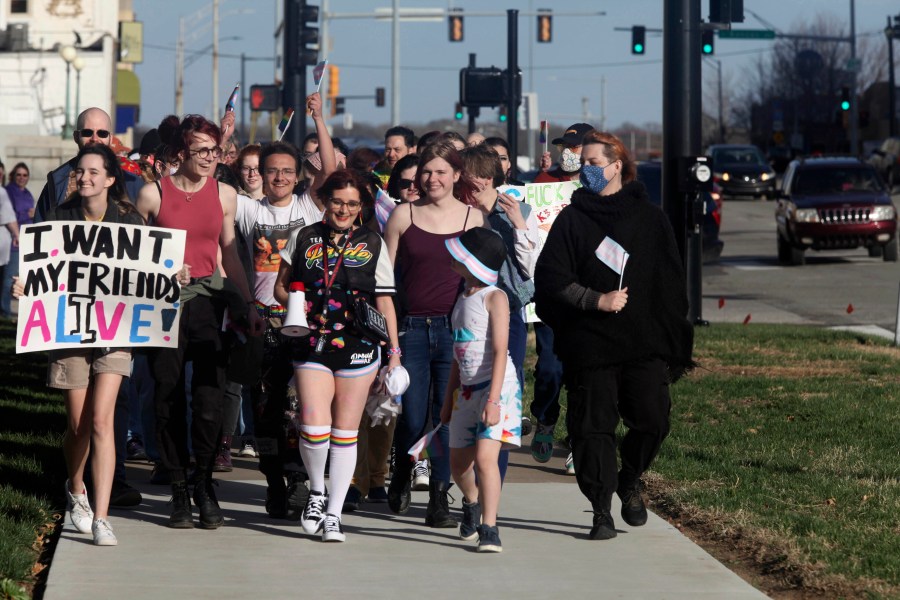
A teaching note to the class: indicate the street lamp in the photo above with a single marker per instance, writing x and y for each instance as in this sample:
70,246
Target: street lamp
68,54
78,63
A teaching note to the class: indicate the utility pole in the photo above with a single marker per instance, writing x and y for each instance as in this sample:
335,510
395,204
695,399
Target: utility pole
891,32
472,111
512,104
854,103
179,70
395,64
215,62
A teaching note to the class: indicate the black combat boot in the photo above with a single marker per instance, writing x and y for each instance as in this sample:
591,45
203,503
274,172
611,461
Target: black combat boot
438,512
181,517
205,499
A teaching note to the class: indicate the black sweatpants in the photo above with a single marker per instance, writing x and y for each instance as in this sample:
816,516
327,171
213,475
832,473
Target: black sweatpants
200,341
639,392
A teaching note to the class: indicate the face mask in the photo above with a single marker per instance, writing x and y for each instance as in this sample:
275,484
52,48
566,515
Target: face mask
569,161
173,170
592,178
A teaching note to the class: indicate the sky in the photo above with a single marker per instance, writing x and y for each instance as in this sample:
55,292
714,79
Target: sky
586,56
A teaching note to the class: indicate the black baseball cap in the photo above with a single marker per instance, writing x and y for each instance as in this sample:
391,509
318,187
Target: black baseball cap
573,135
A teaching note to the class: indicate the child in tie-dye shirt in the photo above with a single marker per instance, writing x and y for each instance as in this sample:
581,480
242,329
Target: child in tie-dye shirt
483,402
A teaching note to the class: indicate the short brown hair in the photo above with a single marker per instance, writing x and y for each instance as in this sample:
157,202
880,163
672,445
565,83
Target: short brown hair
613,149
483,162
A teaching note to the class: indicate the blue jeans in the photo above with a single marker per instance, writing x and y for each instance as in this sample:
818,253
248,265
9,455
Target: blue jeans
427,345
9,271
245,424
548,374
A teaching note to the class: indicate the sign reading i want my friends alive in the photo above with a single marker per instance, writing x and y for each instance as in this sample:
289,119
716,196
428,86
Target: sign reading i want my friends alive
93,284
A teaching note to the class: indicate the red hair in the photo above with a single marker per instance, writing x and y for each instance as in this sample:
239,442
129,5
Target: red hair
613,149
177,134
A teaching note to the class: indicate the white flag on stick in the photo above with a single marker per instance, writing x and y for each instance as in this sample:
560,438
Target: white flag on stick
613,256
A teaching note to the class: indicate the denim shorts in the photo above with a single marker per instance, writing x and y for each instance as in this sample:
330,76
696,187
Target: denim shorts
72,369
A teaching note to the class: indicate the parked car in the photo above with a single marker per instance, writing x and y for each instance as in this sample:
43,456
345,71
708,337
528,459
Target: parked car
742,170
650,174
886,160
834,203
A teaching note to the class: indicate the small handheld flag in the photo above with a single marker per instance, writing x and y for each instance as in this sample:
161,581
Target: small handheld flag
285,123
383,208
318,71
613,256
232,100
429,446
545,129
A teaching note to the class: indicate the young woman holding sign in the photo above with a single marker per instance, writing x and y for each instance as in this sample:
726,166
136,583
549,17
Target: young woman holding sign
91,376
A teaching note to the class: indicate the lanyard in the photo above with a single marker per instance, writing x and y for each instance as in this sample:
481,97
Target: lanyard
337,265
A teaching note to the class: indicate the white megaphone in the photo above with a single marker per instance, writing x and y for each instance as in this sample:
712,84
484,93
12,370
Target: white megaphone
295,324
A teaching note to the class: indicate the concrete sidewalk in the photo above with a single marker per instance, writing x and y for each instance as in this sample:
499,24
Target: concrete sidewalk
543,525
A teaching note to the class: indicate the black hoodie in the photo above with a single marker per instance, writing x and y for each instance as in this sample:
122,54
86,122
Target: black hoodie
569,279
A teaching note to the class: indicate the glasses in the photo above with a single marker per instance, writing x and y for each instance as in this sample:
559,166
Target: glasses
215,152
282,172
351,206
101,133
405,184
250,170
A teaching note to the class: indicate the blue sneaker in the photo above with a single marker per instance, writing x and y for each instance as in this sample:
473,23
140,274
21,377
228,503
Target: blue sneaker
489,539
468,527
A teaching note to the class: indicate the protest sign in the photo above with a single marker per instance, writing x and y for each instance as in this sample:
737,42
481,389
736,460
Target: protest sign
91,284
546,200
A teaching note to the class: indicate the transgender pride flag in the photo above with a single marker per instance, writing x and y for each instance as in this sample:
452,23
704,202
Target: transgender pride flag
613,256
429,446
383,208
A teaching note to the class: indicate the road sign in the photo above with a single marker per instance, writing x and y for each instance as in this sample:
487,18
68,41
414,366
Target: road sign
747,34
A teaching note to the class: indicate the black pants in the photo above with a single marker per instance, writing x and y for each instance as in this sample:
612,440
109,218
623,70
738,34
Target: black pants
200,341
270,408
639,392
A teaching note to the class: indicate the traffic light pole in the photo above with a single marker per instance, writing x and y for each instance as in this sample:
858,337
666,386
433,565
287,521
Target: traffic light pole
512,102
681,134
473,111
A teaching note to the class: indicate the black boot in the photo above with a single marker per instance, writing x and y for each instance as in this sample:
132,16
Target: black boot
181,507
634,512
399,488
438,512
297,496
205,499
276,498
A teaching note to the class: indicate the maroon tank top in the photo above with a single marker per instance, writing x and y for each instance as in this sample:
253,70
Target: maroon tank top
201,217
430,284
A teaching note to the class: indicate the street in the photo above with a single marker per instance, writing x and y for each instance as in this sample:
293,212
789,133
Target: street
834,288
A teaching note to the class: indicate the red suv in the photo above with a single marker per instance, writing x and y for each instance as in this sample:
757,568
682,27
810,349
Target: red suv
834,203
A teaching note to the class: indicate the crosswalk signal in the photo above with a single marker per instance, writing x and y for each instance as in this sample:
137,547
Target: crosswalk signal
455,23
265,97
379,96
544,26
845,98
707,45
638,37
339,105
502,115
459,111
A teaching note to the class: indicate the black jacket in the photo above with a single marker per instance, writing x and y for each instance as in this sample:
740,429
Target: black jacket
569,280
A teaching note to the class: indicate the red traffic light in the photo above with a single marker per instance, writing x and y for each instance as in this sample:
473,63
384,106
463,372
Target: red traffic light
265,97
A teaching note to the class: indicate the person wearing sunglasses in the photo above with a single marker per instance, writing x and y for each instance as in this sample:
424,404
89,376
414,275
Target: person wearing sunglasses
94,126
402,184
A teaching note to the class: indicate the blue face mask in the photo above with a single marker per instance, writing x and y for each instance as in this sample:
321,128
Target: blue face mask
592,178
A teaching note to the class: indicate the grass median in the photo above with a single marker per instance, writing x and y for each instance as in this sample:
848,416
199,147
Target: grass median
784,449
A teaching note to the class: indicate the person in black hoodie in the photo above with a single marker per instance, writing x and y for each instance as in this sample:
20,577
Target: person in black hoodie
611,284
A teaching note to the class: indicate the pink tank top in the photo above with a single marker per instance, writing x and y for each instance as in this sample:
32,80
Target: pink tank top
201,217
430,284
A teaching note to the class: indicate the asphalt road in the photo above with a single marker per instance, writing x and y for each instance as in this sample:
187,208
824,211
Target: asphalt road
834,288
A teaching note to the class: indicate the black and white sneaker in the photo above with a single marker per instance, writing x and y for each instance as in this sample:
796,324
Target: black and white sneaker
314,513
332,530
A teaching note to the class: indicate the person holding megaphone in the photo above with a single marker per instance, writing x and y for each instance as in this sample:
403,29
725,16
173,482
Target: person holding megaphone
336,279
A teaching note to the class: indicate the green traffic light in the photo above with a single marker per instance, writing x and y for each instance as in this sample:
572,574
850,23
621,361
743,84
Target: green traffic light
845,105
503,118
638,48
707,49
459,116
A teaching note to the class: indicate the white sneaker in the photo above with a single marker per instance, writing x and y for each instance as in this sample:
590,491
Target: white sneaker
332,530
313,513
248,449
570,464
420,476
80,513
103,533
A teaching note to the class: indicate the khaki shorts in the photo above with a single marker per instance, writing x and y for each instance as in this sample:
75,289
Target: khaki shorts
72,369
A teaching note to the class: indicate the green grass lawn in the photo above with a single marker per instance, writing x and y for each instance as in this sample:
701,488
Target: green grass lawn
32,420
786,443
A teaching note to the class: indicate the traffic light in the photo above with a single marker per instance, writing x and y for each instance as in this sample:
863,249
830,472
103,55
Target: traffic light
379,96
265,97
334,81
459,111
726,11
455,23
545,25
638,37
308,37
707,43
845,98
502,115
339,105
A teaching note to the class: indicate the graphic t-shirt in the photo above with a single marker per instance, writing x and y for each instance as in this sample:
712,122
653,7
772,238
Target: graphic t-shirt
267,230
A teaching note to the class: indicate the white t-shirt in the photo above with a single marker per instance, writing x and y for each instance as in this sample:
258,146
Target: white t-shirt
267,229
